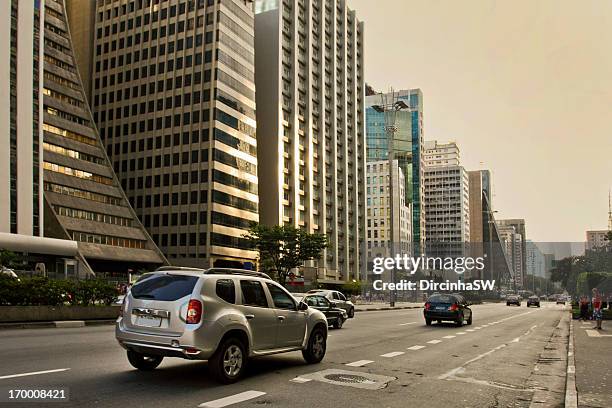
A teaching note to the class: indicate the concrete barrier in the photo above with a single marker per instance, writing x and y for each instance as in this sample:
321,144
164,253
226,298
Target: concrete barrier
15,314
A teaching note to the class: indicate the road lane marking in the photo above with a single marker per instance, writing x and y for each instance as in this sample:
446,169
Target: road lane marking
460,333
34,373
469,330
405,324
596,333
232,399
434,341
417,347
301,380
477,328
449,337
392,354
359,363
452,373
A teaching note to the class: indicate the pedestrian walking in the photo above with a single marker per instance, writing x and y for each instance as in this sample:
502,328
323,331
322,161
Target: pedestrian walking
597,312
584,308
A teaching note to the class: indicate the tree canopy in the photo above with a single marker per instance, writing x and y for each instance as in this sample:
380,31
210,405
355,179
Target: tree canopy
283,247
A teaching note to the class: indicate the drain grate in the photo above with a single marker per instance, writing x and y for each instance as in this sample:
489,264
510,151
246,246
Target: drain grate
356,379
348,378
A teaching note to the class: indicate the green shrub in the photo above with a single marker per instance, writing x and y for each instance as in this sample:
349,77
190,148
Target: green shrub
38,291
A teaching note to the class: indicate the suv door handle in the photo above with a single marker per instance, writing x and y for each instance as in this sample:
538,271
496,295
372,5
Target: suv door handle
250,316
281,318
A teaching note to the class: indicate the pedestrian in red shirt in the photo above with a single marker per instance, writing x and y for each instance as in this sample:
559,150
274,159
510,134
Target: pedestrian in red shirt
597,312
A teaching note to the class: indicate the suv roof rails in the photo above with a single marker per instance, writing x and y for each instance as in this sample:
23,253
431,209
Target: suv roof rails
215,271
235,271
178,268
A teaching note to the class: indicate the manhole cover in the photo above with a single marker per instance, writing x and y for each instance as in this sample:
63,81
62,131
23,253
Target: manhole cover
348,378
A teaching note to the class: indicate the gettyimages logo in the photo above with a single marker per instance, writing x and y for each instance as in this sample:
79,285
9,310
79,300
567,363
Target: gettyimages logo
409,264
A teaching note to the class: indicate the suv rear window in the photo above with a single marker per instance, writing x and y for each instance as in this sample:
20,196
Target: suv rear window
164,287
442,299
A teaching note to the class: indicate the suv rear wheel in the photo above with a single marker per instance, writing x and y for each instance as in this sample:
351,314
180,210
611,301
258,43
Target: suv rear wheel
338,323
351,313
229,361
142,361
315,349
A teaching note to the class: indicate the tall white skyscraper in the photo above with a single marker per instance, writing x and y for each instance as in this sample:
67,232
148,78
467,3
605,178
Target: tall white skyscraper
310,126
447,209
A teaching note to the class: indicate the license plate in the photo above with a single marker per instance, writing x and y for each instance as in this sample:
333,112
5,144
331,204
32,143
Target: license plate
148,321
440,308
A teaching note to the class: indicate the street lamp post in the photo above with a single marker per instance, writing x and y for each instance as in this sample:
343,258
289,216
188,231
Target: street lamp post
389,110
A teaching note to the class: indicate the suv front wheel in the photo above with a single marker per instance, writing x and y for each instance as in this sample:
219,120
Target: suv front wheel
142,361
315,349
229,361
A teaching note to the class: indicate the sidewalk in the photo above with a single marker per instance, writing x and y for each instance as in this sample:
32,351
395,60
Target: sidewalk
368,307
593,354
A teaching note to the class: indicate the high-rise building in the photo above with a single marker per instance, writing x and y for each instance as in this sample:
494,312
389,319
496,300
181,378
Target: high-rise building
441,154
447,206
408,147
173,96
311,135
21,205
380,208
598,238
512,245
536,262
84,200
21,175
519,228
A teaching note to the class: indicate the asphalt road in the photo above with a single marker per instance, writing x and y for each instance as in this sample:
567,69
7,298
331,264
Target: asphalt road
492,363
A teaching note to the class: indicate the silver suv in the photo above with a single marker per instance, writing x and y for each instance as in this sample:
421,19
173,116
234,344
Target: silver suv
221,315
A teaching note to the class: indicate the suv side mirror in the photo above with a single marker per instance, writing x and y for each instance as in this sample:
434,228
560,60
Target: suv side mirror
302,306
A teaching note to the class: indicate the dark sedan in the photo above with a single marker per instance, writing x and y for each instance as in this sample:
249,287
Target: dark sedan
335,316
449,308
533,301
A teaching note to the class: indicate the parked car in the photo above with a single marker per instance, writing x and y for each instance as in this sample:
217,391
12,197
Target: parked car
443,307
221,315
8,272
338,299
335,316
513,300
533,301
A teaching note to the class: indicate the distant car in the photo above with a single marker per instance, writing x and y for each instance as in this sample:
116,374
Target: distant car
513,300
335,316
443,307
338,299
533,301
8,272
561,299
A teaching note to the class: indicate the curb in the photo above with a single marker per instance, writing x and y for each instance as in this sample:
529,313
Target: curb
373,309
571,394
55,324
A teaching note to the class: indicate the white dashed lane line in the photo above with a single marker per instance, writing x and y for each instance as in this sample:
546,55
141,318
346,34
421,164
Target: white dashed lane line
232,399
301,380
406,324
4,377
460,333
359,363
392,354
434,341
449,337
415,347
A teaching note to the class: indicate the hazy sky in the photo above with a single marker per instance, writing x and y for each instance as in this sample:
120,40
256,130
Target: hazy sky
523,86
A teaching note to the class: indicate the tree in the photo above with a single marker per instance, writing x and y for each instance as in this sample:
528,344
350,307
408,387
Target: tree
283,247
7,258
608,237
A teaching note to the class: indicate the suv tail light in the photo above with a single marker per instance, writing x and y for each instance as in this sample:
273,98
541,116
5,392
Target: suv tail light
453,307
427,306
194,312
